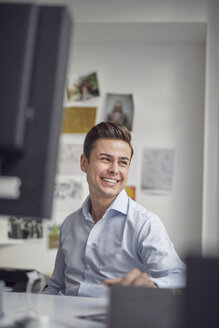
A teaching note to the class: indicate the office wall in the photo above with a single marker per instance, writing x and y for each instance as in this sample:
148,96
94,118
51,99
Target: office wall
167,83
210,231
174,211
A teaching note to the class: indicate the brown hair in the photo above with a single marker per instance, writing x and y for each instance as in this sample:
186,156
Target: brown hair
107,130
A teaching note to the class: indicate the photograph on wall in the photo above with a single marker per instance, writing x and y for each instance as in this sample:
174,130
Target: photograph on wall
157,170
69,158
68,193
82,88
119,108
78,119
53,231
25,228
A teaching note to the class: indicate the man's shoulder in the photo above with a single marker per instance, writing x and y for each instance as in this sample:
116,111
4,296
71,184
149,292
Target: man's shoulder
139,212
69,220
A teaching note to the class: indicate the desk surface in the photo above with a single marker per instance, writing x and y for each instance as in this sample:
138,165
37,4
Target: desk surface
60,311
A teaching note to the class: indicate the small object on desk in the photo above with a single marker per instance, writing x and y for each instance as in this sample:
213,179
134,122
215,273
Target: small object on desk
100,317
23,280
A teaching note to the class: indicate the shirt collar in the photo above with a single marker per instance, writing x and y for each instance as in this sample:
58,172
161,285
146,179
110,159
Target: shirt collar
85,207
120,204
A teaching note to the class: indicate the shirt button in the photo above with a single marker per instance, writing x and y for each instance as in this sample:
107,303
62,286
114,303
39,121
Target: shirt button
87,266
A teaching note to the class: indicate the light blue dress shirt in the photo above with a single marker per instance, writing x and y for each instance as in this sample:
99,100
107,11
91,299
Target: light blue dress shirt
127,236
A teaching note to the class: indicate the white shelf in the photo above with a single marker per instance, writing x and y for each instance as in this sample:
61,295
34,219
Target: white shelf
10,242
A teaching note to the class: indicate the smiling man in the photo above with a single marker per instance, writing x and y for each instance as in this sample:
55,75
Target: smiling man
111,239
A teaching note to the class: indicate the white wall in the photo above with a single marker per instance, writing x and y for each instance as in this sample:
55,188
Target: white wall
210,231
167,80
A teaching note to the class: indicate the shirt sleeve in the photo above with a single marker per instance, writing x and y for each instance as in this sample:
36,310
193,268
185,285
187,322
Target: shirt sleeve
56,284
159,256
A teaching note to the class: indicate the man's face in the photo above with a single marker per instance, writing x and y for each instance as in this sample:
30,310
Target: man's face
107,168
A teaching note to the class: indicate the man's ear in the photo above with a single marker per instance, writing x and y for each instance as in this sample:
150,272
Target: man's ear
83,163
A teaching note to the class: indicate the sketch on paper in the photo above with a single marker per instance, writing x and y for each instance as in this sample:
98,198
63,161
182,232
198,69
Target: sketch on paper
68,193
69,158
157,170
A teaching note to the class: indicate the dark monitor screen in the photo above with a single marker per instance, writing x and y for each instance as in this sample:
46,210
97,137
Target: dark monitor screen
202,292
34,43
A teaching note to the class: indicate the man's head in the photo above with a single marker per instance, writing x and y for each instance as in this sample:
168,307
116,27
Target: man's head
106,160
106,130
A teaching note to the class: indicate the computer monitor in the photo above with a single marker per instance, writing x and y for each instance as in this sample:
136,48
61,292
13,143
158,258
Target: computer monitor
34,42
202,292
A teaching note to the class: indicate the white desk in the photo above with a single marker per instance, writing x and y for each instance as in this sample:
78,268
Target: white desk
58,311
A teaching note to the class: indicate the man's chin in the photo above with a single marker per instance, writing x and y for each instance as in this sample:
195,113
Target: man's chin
111,194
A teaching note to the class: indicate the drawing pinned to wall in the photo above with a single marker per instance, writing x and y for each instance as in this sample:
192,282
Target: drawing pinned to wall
157,170
131,191
68,193
24,228
119,108
69,158
53,235
82,88
78,119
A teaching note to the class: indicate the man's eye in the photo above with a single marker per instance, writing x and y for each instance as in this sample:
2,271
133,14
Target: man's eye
123,163
106,159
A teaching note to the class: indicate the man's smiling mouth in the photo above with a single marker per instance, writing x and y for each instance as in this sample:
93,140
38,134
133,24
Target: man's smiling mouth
110,180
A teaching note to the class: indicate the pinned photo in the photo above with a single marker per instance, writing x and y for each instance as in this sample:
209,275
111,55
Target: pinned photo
82,88
119,108
24,228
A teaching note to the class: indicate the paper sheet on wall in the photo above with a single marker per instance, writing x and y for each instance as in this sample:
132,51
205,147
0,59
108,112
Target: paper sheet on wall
78,119
68,193
157,170
69,158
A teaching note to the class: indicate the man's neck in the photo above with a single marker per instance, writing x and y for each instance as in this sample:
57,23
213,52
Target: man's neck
99,207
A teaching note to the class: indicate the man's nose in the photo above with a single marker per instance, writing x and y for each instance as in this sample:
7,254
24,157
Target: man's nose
114,168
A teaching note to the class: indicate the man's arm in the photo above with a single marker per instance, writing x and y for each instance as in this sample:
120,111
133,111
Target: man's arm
133,278
56,283
161,261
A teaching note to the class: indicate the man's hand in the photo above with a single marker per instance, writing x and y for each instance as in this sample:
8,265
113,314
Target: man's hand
132,278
